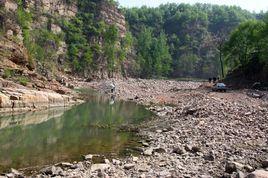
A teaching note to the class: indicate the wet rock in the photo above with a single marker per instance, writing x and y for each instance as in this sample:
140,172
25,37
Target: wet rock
129,166
258,174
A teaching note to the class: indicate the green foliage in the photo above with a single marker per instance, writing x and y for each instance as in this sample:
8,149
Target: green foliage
247,50
192,33
23,80
110,46
8,73
24,19
89,38
244,42
153,54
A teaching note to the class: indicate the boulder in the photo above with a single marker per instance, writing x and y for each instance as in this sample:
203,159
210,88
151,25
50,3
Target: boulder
231,167
101,167
265,163
129,166
258,174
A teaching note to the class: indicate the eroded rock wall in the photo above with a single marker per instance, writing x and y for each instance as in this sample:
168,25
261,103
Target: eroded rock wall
112,16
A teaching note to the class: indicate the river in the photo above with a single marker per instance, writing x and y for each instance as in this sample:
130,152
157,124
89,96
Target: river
35,139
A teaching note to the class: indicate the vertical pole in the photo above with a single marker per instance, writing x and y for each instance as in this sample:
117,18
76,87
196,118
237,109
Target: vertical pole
222,72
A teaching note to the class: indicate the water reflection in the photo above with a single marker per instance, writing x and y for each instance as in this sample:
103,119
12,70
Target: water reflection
46,137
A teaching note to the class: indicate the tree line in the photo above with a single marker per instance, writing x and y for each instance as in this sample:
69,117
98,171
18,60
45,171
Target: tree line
182,40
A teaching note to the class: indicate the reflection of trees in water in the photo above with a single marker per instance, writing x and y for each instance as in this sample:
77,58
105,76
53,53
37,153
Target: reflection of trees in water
67,136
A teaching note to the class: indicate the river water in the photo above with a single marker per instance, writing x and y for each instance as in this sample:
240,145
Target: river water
41,138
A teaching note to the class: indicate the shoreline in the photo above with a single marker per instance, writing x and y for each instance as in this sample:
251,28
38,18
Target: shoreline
198,133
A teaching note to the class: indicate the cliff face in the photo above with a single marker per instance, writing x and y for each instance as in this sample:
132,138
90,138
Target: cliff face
24,21
112,16
36,70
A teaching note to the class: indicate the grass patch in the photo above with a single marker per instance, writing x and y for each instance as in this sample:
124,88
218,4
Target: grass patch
8,73
23,80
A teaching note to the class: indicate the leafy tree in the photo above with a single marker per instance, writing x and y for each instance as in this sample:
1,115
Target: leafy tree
246,51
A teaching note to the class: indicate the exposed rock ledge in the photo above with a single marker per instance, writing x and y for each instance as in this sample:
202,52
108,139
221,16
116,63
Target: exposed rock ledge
17,100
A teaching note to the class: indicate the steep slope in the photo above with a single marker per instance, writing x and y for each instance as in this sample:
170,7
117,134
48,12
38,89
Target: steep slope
48,45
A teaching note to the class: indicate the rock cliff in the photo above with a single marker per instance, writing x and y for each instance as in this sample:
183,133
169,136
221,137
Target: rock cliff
34,51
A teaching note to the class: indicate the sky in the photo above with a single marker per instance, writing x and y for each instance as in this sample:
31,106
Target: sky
251,5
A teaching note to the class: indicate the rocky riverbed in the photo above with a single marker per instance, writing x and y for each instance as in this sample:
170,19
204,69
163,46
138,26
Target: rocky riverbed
198,133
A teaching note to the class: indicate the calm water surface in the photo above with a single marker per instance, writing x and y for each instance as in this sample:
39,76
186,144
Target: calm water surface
47,137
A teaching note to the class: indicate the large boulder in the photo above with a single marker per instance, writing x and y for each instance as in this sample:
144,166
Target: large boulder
258,174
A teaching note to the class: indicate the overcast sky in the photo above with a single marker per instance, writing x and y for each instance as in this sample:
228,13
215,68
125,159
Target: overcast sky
251,5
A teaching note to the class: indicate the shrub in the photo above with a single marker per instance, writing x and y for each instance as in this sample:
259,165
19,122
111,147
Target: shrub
23,80
8,73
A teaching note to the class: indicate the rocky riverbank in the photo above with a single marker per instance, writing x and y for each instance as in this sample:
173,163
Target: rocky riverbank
16,98
198,133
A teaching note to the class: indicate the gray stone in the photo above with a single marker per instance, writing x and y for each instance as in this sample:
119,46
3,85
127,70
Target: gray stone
145,144
258,174
10,175
88,157
248,168
148,152
209,157
116,162
159,150
16,172
196,149
231,167
188,147
135,159
66,165
240,174
265,163
129,166
179,150
101,167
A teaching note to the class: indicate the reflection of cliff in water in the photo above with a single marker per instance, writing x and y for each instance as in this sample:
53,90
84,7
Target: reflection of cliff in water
42,138
30,118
